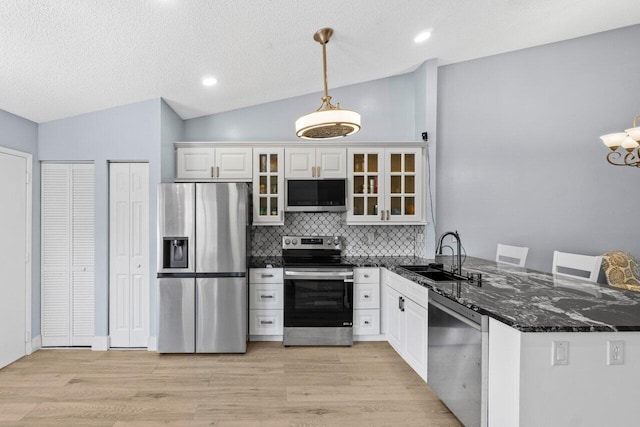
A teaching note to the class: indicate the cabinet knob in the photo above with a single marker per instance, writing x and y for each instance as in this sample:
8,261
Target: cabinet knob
366,276
366,296
366,322
139,265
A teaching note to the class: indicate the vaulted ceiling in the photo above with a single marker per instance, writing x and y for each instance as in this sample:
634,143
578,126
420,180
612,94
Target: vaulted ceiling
61,58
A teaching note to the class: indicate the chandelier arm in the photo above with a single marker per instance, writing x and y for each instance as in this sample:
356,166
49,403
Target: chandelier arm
635,121
617,159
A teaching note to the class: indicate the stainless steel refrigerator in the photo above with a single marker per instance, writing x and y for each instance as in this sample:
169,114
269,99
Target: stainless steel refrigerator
202,267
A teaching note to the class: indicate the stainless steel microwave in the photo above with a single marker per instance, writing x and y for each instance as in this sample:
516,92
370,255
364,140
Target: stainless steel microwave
318,195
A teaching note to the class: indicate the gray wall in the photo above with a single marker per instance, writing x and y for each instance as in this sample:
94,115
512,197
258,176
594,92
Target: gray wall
519,158
386,107
426,113
172,129
21,134
130,133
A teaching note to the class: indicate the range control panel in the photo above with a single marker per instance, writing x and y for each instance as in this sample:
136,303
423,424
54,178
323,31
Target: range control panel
312,242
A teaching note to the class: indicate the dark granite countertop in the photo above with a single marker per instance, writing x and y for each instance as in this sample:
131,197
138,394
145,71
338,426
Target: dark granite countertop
527,300
532,301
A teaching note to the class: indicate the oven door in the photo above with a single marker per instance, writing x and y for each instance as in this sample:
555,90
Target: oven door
316,297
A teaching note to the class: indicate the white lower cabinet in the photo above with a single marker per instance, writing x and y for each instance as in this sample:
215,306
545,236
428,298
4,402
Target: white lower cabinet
366,302
405,320
266,303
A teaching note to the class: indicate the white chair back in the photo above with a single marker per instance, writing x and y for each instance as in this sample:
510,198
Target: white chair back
575,265
515,255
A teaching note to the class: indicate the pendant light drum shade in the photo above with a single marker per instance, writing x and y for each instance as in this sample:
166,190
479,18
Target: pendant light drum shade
328,124
329,121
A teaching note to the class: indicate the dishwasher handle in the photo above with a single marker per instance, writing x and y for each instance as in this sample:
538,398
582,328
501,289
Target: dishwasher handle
470,317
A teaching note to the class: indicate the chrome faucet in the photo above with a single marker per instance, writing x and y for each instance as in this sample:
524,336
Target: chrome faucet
454,268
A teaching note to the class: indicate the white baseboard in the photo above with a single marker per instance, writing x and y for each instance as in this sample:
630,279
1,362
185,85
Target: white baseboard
265,338
152,344
100,343
34,345
369,338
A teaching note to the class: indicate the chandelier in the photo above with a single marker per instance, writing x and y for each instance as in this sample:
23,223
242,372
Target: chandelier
329,121
628,140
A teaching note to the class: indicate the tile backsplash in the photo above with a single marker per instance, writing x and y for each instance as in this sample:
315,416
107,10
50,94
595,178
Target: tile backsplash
387,240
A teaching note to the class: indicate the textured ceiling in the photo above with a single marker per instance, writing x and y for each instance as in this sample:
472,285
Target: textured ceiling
61,58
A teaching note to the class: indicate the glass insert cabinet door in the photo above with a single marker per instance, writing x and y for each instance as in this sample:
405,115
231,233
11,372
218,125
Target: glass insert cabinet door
268,186
366,184
403,185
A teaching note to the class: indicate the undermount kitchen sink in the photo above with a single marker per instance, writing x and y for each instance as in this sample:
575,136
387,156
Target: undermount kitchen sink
434,272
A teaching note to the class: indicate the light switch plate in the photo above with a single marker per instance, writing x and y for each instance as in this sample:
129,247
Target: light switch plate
559,353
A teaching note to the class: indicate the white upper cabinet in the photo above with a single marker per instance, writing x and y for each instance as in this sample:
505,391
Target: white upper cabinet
309,162
385,185
268,186
208,163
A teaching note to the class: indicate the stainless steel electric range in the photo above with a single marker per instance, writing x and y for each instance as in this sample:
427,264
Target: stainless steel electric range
318,292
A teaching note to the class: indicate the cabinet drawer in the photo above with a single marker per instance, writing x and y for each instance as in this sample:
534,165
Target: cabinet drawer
366,295
265,275
366,322
366,275
266,296
265,322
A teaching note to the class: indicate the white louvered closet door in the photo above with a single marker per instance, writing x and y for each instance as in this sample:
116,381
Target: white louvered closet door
67,218
129,254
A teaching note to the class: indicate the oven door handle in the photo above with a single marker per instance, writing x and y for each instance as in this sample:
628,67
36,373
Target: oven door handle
314,275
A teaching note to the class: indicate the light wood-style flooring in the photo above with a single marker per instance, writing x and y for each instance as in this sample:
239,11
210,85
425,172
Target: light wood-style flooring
364,385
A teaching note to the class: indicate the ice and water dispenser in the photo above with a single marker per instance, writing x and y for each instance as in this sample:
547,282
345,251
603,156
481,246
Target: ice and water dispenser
175,252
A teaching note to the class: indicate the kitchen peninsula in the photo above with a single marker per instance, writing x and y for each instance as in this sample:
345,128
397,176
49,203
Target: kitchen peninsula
530,313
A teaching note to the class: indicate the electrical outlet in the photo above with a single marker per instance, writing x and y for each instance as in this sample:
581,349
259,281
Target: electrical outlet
420,238
559,353
371,237
615,352
257,237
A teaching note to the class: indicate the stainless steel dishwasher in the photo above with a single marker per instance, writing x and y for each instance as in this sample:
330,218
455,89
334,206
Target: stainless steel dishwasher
457,358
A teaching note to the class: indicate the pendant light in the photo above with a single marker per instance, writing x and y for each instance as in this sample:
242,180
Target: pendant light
329,121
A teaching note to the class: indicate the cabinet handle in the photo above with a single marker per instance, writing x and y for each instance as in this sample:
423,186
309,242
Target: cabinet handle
313,171
318,171
366,296
400,303
217,171
212,171
366,276
264,276
266,322
366,322
266,296
387,215
382,215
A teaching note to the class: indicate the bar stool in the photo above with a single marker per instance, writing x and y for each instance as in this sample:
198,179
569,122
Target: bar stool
514,255
575,265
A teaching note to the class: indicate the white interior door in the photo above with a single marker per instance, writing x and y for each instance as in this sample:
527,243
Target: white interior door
13,257
129,254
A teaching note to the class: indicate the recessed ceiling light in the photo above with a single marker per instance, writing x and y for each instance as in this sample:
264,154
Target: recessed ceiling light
422,36
209,81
